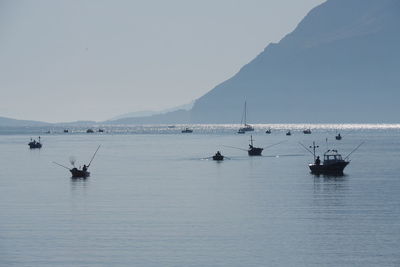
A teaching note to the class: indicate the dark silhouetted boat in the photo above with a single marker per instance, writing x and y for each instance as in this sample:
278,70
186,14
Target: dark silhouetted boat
33,144
171,126
268,131
246,127
333,163
307,131
100,130
218,156
187,130
89,131
254,151
77,172
66,131
338,137
289,133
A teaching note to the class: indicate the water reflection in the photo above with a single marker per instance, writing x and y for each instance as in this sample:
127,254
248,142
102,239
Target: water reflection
79,183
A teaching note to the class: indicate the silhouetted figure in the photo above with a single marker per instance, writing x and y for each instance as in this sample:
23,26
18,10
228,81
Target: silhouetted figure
318,161
84,168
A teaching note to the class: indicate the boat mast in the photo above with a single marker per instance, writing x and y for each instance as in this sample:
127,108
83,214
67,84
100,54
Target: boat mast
245,111
314,147
251,140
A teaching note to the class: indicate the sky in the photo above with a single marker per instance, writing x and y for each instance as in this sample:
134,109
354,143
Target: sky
68,60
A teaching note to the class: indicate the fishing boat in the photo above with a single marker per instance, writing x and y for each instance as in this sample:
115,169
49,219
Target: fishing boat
218,156
66,131
187,130
246,127
33,144
268,131
89,131
100,130
254,151
333,163
307,131
78,172
289,133
338,137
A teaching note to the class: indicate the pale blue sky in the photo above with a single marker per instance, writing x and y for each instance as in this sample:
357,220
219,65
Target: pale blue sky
91,60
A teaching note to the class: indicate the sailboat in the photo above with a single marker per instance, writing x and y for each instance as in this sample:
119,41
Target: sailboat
246,127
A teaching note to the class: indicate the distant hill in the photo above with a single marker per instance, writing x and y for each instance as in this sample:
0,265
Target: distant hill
341,64
8,122
179,116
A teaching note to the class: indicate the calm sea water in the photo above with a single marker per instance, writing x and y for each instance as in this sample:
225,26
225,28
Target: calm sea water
153,200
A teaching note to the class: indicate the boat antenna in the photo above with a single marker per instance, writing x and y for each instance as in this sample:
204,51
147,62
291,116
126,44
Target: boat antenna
94,155
251,140
354,150
312,153
314,147
60,165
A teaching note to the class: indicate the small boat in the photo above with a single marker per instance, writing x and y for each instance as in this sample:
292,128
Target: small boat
241,131
187,130
254,151
100,130
77,172
66,131
246,127
171,126
333,163
218,156
33,144
288,133
338,137
307,131
268,131
89,131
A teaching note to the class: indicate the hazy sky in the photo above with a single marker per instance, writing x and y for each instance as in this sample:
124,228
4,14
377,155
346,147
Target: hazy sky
91,59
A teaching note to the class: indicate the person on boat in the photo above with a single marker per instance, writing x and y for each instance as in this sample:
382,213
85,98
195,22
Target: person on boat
84,168
318,161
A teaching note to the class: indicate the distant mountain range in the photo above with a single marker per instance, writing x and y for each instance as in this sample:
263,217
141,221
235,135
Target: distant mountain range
340,65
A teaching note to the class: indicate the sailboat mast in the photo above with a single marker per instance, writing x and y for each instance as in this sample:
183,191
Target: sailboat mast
245,112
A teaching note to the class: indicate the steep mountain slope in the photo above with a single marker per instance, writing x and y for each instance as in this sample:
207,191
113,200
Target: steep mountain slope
341,64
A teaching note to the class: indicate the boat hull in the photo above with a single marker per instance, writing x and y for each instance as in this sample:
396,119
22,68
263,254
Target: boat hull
255,151
218,158
79,173
334,168
35,146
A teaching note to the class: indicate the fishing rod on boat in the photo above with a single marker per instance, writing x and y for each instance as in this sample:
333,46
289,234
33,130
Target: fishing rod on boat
61,165
94,155
354,150
275,144
236,148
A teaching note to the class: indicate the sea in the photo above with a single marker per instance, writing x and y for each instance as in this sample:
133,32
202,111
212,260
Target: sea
155,198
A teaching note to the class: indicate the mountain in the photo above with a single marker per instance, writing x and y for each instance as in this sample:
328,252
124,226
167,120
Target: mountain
340,64
8,122
150,113
178,116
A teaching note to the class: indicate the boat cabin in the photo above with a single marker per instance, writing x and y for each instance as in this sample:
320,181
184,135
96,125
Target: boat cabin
332,156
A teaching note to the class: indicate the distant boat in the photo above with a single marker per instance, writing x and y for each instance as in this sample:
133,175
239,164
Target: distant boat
171,126
187,130
268,131
254,151
338,137
218,156
288,133
100,130
246,127
33,144
307,131
89,131
66,131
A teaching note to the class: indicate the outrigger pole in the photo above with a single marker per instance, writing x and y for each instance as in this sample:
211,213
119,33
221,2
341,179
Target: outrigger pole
61,165
94,155
354,150
313,147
